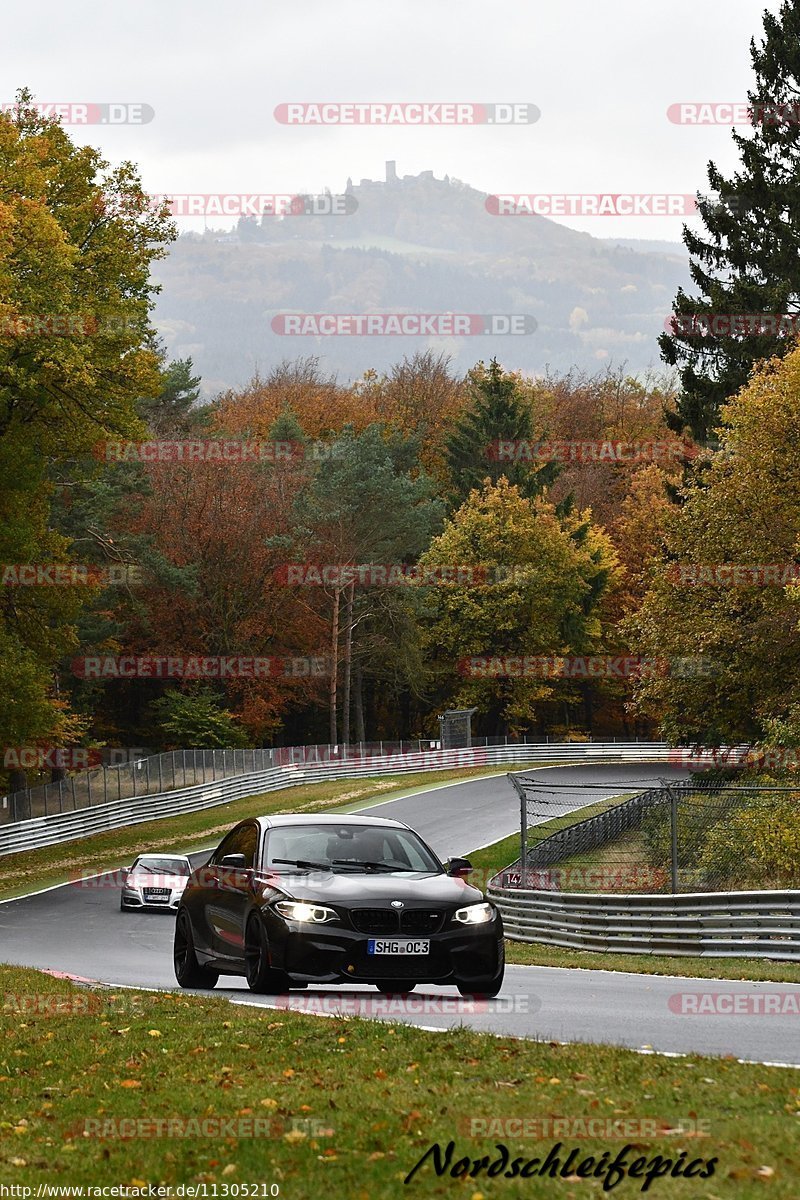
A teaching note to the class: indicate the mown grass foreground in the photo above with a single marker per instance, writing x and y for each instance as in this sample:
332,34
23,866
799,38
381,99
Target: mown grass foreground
138,1089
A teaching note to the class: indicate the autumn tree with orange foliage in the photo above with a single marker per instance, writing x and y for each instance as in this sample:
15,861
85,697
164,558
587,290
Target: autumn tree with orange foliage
226,525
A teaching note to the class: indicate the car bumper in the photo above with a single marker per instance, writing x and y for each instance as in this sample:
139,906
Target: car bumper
332,954
138,903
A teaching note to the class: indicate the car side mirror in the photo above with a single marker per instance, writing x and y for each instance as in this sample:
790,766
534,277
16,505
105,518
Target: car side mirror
236,862
459,867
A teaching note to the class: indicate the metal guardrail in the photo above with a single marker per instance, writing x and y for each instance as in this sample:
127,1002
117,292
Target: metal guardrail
705,924
68,826
142,775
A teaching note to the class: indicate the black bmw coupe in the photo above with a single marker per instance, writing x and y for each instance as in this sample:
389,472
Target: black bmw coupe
291,900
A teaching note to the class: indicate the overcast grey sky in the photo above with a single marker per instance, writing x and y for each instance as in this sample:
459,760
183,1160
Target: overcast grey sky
603,76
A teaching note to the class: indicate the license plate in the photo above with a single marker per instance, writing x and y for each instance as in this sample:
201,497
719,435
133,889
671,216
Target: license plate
398,946
156,894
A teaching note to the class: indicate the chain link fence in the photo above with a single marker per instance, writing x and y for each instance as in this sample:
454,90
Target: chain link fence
185,768
124,781
678,837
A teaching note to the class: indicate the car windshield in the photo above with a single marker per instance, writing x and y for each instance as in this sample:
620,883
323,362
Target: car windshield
354,848
161,866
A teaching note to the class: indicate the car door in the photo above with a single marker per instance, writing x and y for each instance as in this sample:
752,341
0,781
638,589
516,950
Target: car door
233,888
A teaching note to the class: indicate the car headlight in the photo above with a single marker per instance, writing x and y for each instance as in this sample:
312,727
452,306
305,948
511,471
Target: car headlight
474,914
313,914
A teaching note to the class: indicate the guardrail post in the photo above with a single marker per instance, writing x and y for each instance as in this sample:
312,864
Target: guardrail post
147,775
133,776
160,782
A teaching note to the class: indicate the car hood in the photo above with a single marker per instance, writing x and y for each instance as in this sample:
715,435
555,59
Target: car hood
378,890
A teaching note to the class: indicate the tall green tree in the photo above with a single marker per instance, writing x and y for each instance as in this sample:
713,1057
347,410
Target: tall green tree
497,412
541,597
733,639
747,261
173,409
77,241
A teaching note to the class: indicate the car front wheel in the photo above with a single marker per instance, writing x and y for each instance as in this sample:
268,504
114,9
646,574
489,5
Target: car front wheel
260,976
188,971
481,989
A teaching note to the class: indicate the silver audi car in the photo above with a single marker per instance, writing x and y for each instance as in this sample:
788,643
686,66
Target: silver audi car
156,882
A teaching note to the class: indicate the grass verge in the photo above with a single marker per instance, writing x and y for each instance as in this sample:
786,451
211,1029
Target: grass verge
347,1107
34,869
493,858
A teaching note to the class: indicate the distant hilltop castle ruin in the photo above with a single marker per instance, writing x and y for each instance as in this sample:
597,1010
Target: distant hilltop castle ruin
393,179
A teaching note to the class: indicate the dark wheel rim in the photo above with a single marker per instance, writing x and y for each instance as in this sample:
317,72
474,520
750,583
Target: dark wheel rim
182,942
253,953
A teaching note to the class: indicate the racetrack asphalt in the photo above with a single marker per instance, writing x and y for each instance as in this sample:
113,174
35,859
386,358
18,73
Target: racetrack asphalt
78,929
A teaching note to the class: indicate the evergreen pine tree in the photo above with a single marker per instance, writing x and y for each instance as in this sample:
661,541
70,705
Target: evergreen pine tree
748,261
499,414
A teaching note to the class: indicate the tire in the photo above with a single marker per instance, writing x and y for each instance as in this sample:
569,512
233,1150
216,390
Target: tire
395,987
188,971
260,976
482,989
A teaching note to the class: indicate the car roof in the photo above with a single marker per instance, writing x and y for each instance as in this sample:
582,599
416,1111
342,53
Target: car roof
276,820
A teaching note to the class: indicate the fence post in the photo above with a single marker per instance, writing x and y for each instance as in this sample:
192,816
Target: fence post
183,760
160,780
523,827
673,815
